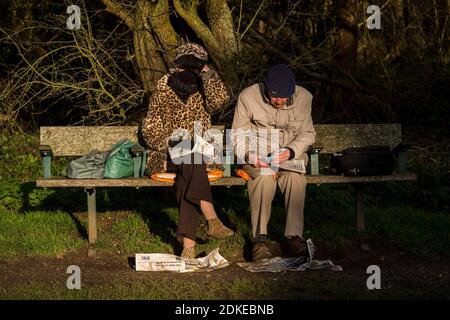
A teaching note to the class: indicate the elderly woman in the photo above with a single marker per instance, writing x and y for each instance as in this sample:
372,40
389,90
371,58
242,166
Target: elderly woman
187,95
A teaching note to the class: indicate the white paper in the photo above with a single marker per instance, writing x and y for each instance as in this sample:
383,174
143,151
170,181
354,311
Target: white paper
171,262
200,146
278,264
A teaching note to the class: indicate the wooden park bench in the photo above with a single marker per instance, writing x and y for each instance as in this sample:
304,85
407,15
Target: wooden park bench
79,140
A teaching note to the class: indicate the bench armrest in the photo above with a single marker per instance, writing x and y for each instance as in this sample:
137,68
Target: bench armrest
137,151
402,147
45,150
140,159
46,155
401,151
313,151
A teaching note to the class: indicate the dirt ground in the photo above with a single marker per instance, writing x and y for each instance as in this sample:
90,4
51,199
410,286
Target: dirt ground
403,275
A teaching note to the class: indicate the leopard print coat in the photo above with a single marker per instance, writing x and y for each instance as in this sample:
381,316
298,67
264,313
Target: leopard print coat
167,112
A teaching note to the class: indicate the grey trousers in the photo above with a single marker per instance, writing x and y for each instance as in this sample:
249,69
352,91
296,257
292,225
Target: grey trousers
262,188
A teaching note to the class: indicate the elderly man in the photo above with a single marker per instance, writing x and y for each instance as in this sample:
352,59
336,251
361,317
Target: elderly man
278,112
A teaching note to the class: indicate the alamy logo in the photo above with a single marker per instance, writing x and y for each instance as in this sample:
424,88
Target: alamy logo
374,281
73,281
374,21
74,20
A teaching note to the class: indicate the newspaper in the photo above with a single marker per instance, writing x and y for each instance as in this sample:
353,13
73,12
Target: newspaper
171,262
293,165
278,264
201,146
296,165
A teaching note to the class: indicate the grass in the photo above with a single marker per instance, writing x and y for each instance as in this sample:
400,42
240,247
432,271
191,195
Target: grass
413,229
311,287
151,228
37,234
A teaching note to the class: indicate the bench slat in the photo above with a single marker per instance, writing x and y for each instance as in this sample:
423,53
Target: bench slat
226,181
79,140
336,137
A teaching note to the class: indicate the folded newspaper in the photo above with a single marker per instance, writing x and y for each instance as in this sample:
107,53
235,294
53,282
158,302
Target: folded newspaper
278,264
292,165
171,262
184,148
296,165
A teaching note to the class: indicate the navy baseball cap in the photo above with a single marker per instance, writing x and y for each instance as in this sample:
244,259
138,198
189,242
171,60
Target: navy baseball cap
280,81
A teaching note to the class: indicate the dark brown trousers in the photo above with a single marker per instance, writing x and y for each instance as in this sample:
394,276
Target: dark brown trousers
191,186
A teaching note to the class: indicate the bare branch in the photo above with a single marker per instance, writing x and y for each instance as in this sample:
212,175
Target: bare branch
119,11
193,20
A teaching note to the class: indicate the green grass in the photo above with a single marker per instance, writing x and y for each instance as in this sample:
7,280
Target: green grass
135,237
413,229
311,287
37,234
52,233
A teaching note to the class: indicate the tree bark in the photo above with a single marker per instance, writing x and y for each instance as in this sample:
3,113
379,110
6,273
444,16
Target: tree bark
151,65
155,39
345,52
222,28
168,40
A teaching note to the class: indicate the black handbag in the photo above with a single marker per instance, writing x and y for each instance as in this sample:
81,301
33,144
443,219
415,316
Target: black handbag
364,161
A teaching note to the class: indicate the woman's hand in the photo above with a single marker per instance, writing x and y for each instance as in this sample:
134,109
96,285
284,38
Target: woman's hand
205,68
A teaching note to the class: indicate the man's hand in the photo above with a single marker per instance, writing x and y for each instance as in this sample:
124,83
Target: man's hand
281,157
255,161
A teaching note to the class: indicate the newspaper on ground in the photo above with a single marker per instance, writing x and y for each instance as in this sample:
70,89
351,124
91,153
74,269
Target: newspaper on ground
278,264
171,262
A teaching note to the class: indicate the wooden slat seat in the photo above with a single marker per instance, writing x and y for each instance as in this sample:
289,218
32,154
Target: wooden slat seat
61,182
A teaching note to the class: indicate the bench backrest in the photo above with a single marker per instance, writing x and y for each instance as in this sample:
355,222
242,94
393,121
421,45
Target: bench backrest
79,140
337,137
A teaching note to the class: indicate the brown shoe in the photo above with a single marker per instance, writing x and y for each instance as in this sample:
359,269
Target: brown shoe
261,251
189,253
217,230
297,247
265,250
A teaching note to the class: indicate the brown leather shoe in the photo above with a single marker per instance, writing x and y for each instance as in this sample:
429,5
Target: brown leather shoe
217,230
297,247
261,251
265,250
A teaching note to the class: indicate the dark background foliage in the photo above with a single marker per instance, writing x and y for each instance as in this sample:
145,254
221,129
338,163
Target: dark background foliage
50,75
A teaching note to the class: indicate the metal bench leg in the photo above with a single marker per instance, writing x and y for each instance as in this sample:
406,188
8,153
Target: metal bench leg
315,163
92,216
359,197
402,162
47,166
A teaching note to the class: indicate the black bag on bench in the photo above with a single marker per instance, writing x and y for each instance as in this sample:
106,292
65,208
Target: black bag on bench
364,161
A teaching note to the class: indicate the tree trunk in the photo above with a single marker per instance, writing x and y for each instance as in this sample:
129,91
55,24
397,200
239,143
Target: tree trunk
151,66
168,39
222,28
155,39
345,56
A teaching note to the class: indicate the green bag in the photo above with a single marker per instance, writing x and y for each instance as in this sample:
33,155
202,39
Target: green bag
121,162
